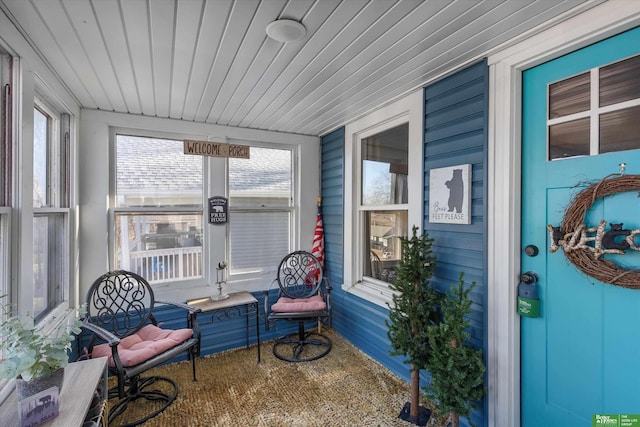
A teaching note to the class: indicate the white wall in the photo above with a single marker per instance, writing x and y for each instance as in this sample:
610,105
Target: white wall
94,183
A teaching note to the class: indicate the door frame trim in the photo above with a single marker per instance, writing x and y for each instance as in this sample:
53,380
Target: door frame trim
504,191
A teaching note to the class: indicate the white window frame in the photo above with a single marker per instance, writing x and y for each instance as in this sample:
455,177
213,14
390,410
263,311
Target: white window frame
5,251
406,110
59,198
260,276
6,199
215,183
113,209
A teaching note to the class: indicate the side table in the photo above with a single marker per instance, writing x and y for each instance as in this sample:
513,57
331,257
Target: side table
238,303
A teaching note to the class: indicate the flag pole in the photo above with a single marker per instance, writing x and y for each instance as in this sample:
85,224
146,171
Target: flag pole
319,201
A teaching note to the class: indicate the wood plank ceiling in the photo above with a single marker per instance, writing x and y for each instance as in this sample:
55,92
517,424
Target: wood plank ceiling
211,60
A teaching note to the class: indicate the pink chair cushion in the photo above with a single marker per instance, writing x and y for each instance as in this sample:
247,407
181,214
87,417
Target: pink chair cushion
148,342
291,305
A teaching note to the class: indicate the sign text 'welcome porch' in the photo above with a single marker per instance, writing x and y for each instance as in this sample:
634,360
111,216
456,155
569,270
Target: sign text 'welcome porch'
215,149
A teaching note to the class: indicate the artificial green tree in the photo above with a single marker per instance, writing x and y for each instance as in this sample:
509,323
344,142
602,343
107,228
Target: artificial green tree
415,307
457,369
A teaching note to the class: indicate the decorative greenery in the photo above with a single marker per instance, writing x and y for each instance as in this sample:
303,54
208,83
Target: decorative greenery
457,369
28,352
415,307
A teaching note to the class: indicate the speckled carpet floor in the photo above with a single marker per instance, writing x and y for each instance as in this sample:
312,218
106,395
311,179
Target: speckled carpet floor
345,388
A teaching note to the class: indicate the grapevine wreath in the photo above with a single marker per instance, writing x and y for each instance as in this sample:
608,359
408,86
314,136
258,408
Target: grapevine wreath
585,250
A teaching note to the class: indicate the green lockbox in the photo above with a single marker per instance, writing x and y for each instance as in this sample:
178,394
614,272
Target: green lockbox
528,307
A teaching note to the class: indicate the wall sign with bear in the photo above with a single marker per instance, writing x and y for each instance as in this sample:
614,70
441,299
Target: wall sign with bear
450,195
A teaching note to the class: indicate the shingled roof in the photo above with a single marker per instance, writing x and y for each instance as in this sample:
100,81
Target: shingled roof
149,165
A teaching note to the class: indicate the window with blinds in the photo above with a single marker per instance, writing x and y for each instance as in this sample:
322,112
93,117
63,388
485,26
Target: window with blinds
261,207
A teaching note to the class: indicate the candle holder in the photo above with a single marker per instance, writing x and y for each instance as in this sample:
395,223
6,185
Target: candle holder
220,280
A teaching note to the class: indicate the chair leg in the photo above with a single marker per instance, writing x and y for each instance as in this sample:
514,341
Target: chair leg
148,389
193,365
302,346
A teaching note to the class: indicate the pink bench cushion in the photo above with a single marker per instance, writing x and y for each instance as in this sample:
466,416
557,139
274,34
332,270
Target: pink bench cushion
290,305
148,342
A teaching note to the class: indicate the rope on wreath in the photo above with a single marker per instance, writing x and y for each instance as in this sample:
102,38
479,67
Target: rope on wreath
585,258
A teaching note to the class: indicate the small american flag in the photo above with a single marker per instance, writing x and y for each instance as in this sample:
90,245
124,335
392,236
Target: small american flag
318,237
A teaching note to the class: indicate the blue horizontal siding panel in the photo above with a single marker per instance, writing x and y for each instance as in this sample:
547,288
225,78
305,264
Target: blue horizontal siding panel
461,127
333,172
364,325
468,142
469,76
470,261
445,238
357,320
332,192
456,132
447,93
457,113
471,155
457,97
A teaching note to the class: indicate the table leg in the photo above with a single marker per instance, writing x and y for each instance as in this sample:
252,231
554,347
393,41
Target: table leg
257,329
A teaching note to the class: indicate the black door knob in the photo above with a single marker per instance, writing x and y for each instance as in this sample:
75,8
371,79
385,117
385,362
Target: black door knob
531,250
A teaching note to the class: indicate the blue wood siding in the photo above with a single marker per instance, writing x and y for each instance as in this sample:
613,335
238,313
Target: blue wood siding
456,132
332,191
357,320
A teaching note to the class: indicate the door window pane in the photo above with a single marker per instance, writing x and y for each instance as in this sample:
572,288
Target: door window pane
569,139
620,130
620,81
612,118
569,96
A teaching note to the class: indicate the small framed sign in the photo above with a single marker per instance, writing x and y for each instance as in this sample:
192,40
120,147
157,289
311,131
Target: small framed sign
39,408
450,195
218,210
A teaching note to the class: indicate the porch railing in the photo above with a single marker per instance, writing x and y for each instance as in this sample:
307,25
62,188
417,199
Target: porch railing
167,265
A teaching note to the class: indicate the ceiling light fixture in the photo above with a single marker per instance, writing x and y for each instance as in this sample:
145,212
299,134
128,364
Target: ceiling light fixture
286,30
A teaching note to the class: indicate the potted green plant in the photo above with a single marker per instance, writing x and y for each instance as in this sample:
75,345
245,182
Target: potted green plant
33,357
415,307
456,367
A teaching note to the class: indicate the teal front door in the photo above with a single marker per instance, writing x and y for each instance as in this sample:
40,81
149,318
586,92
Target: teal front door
581,120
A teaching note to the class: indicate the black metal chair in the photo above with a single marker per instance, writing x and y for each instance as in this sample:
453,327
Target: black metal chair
303,296
123,328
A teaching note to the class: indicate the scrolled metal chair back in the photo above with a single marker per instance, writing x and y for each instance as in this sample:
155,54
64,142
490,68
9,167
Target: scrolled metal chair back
121,302
299,275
